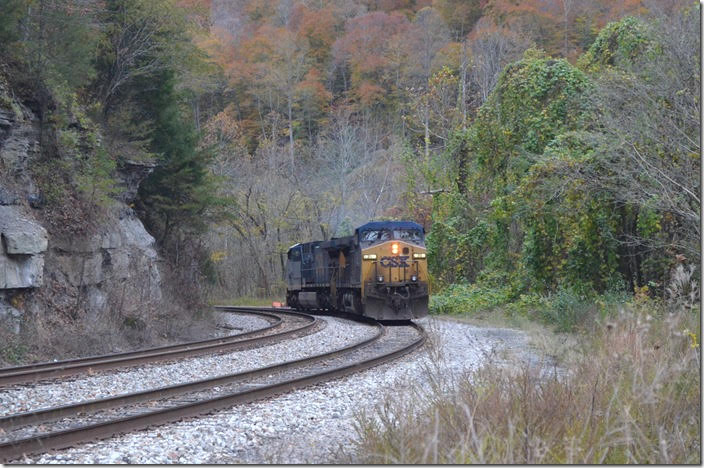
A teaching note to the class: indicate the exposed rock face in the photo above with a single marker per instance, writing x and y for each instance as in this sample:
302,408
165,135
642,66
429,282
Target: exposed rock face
10,317
124,250
113,269
23,244
131,174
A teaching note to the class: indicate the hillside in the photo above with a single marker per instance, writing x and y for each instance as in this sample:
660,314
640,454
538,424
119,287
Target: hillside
549,148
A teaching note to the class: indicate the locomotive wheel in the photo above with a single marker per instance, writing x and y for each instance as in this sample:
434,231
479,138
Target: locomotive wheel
357,303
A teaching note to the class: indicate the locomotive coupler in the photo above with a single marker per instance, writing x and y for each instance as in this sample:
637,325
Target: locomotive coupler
400,301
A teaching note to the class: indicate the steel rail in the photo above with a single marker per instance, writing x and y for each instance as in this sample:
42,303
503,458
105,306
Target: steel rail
66,438
49,414
113,361
274,322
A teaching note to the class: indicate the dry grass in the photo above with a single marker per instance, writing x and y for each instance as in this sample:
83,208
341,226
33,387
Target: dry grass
247,301
129,319
630,395
55,337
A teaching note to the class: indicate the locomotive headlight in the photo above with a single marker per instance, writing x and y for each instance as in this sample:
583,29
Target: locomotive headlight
380,279
394,248
414,278
369,256
419,255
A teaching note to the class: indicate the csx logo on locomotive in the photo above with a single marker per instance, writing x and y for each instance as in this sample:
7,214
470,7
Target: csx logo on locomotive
394,262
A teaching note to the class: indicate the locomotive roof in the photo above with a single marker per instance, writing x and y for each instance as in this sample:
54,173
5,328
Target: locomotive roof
391,225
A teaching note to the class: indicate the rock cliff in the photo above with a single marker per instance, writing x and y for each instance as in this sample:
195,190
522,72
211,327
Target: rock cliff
109,271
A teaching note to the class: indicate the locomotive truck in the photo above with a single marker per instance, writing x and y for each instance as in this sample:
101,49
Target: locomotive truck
380,271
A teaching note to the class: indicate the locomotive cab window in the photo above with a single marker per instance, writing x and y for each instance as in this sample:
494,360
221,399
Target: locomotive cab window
294,255
376,235
373,236
411,235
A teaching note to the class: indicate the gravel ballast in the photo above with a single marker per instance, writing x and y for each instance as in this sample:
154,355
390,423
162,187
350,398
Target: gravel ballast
337,334
312,425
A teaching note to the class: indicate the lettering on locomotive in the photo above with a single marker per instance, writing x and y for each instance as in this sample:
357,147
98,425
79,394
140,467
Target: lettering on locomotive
394,262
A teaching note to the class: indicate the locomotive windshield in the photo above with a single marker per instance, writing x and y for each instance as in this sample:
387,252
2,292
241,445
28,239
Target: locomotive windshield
372,236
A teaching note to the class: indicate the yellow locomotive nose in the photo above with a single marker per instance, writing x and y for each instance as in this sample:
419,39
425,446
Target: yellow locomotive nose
395,279
394,262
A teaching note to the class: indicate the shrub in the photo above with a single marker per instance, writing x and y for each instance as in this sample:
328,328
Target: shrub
461,299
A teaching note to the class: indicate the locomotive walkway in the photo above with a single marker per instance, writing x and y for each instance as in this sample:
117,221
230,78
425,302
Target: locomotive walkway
64,426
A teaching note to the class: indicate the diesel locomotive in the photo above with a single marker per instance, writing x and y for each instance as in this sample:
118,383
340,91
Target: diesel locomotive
380,271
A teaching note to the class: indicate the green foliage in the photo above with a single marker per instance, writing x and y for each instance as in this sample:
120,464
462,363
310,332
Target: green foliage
12,13
513,156
619,44
96,178
60,42
141,39
535,100
180,190
570,238
469,247
52,176
464,299
572,189
568,309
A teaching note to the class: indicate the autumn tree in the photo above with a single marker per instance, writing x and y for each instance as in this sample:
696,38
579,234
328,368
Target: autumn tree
434,109
370,64
426,36
492,49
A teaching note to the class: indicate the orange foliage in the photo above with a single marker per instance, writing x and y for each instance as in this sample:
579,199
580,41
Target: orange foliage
365,43
327,53
563,27
370,93
318,27
312,92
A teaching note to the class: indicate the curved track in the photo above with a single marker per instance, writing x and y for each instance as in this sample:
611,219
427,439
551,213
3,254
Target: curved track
59,427
265,335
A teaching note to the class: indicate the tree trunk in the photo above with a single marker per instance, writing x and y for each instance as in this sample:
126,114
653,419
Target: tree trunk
463,84
290,129
196,112
462,169
426,139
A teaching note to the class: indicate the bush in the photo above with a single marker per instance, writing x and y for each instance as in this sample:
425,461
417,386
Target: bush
463,299
568,310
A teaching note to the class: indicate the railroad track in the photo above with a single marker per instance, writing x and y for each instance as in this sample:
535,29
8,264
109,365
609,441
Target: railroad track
277,330
64,426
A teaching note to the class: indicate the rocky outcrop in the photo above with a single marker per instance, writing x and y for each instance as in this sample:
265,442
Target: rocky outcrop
123,250
23,245
10,318
131,174
111,268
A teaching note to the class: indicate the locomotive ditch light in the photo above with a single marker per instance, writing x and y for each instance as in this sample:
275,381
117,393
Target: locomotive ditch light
394,248
419,255
369,256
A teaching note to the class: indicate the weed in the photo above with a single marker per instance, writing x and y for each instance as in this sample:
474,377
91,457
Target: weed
13,351
631,395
